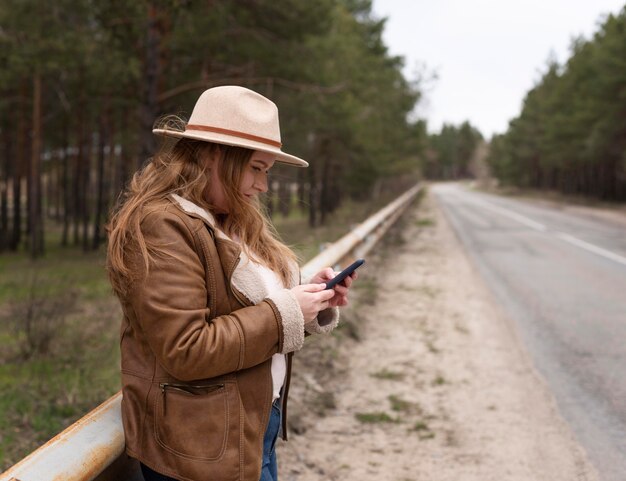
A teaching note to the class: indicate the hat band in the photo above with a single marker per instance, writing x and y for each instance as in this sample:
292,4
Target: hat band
234,133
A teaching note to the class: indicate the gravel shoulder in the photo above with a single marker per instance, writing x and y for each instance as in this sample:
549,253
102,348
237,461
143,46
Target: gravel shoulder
425,380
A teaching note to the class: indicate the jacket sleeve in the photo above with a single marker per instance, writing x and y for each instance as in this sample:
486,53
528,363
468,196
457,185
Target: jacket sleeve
325,322
170,304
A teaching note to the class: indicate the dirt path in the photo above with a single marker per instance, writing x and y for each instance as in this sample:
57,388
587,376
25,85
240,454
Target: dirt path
435,387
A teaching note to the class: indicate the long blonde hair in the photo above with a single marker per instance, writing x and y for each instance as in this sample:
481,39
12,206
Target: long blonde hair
182,169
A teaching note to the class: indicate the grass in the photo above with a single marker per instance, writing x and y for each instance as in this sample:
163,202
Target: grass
389,375
431,347
400,405
423,430
426,222
420,426
57,270
375,418
42,394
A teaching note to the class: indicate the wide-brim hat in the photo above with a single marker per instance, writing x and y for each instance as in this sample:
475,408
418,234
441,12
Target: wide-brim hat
238,116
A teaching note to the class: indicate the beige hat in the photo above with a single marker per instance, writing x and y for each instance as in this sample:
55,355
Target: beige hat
237,116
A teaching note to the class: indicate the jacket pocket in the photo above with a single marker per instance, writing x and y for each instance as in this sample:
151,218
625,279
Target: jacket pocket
197,421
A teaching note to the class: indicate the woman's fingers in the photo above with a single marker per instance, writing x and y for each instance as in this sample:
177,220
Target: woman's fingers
324,275
326,295
327,273
313,298
316,287
350,279
323,298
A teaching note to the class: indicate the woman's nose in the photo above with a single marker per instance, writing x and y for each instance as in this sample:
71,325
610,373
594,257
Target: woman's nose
261,184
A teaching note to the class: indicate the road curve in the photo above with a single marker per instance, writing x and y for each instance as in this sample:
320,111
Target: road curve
560,276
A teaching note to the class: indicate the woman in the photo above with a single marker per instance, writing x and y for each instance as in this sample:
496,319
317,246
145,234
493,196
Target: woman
212,301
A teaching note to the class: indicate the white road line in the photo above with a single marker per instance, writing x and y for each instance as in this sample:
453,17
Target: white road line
591,248
561,235
513,215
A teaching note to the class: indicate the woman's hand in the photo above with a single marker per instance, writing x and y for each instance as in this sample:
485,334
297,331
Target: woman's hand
312,298
341,290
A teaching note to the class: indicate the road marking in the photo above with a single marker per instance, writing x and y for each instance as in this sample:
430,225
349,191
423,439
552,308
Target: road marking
591,248
513,215
542,228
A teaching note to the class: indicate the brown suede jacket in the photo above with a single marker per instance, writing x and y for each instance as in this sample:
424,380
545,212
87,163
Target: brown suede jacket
197,338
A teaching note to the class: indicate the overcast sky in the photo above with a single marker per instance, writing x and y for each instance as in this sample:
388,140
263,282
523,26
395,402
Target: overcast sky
487,53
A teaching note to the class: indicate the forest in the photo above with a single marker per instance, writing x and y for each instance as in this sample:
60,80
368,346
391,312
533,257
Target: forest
570,136
83,81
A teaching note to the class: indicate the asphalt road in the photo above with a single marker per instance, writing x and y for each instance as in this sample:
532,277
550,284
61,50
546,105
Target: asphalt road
560,276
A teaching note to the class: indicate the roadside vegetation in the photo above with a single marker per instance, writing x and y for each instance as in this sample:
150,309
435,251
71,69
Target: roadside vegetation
58,345
569,136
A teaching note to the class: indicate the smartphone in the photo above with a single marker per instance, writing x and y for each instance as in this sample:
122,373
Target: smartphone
344,273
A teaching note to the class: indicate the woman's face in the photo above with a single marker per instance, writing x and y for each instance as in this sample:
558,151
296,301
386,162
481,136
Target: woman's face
253,179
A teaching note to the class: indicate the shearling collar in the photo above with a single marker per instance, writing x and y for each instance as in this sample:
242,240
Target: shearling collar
246,277
191,208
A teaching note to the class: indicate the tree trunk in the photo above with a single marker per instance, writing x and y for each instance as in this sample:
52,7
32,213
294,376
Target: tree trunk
123,161
4,213
17,218
313,197
58,186
76,190
110,165
302,189
103,141
284,197
270,200
86,189
5,170
35,205
149,107
325,195
20,163
66,187
78,202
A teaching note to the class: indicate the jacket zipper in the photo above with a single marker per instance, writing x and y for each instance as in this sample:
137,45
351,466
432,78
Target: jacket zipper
247,303
186,388
243,302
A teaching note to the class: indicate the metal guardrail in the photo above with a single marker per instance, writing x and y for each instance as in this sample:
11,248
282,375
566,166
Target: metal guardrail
362,238
93,447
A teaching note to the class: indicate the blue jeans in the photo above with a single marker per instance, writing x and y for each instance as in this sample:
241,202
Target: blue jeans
150,475
269,468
